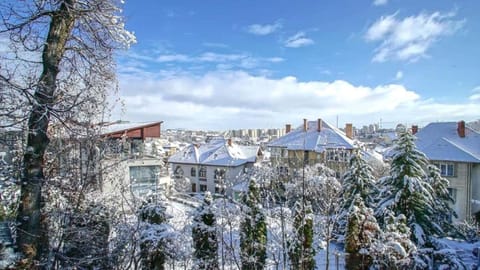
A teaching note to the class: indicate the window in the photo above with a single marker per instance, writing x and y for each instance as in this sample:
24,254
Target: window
194,187
193,172
219,174
143,179
203,188
453,194
202,173
337,155
446,169
178,173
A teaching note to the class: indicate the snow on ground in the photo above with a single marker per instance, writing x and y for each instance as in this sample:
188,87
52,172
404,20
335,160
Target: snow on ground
465,250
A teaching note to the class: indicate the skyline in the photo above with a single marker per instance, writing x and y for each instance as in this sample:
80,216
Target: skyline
228,65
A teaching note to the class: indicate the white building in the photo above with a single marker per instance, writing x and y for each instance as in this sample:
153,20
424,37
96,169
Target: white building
455,149
213,166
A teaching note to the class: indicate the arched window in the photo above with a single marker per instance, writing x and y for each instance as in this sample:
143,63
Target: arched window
193,172
178,172
202,173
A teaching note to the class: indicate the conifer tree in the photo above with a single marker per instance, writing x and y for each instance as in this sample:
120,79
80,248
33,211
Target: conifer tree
362,232
301,251
253,235
393,248
406,191
442,198
205,236
152,245
358,180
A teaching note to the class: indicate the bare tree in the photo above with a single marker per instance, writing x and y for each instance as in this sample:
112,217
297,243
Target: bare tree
60,65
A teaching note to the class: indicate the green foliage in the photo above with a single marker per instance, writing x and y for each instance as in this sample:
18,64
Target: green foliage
362,232
253,236
301,251
357,181
406,190
205,236
152,245
443,200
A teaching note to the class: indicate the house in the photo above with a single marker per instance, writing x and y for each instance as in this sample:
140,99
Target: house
455,149
131,152
313,142
214,165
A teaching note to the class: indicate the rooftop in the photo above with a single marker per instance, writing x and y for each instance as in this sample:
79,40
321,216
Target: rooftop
441,141
217,152
328,137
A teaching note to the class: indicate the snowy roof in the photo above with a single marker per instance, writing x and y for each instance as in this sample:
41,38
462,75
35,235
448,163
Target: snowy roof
440,141
125,126
329,137
216,152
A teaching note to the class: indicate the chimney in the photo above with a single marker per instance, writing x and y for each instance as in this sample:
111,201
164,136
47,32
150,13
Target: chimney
461,129
288,128
414,129
304,124
349,130
229,141
319,125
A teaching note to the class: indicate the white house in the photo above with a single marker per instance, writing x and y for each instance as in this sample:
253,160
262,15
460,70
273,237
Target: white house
214,165
455,149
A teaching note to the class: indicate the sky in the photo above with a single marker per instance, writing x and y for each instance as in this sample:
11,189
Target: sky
217,65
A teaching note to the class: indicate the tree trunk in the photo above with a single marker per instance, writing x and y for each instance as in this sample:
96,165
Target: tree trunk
32,237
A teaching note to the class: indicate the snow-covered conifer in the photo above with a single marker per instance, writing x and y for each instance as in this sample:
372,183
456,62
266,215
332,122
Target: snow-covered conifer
362,232
393,248
253,231
153,235
443,211
205,236
406,190
301,251
358,180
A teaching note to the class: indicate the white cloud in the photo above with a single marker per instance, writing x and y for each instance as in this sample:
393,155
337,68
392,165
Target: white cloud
173,58
476,94
264,29
234,99
380,2
410,38
399,75
298,40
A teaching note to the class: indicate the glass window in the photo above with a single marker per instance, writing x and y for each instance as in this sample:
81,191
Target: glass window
219,174
446,169
203,188
203,172
143,179
193,172
178,172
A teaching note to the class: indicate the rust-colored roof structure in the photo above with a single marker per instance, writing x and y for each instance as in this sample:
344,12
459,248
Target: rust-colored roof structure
133,130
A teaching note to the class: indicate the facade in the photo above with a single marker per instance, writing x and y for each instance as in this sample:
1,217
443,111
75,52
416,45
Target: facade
455,149
131,154
313,142
213,166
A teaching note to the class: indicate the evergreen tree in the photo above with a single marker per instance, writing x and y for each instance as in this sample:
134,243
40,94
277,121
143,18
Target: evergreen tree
205,236
393,248
362,231
153,239
253,235
358,180
442,198
406,191
301,251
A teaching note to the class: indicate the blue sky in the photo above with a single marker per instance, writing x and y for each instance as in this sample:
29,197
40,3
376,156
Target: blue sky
261,64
